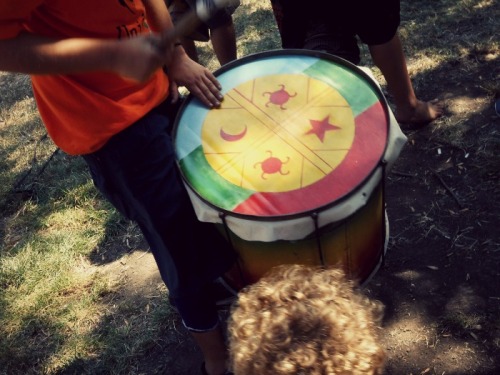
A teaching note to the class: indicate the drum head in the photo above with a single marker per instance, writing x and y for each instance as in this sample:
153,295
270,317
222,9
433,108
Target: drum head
297,131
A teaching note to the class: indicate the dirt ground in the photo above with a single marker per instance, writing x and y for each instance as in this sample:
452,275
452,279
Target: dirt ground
440,280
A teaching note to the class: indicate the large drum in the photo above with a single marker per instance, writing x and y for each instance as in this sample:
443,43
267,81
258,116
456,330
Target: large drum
292,165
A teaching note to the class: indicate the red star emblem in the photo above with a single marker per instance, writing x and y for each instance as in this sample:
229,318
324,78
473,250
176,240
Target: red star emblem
321,127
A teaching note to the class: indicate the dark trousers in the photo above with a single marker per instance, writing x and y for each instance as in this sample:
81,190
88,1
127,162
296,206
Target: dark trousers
137,172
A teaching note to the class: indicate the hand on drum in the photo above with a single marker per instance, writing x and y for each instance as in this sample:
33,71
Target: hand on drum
183,71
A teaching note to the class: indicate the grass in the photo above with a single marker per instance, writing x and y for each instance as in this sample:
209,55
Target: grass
53,308
58,309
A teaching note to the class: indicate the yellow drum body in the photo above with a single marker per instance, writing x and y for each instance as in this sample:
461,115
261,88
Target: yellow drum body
357,244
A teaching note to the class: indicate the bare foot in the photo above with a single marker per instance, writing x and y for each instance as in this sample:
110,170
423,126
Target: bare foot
421,114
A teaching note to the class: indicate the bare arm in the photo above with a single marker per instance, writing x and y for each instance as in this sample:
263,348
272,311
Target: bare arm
135,58
182,70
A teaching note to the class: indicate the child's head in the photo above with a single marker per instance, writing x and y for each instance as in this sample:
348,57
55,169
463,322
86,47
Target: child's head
304,321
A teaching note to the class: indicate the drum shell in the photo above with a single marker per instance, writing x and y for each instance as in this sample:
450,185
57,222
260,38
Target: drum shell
357,244
347,228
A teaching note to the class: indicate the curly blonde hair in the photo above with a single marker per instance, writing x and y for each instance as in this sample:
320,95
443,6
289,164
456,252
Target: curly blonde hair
305,321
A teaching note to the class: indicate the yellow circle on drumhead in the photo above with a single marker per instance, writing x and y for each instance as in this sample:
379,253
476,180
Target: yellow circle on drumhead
278,133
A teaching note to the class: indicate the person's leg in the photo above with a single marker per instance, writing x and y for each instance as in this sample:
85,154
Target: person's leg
178,9
190,48
213,347
136,171
200,317
224,42
389,58
223,34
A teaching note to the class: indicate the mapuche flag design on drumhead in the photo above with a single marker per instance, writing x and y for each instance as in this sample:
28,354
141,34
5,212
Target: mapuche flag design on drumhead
292,135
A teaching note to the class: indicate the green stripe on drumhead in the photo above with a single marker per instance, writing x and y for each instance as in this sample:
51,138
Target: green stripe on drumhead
209,184
359,94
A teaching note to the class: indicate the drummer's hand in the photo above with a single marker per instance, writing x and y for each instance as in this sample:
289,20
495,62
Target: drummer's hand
183,71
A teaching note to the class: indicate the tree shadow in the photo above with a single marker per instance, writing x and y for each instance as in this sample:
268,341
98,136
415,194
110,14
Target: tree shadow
14,87
31,184
39,335
121,236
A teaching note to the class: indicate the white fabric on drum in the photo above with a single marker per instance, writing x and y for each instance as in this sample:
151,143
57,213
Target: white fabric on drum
291,229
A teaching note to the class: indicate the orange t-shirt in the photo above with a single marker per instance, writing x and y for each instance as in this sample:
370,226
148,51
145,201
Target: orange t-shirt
82,111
